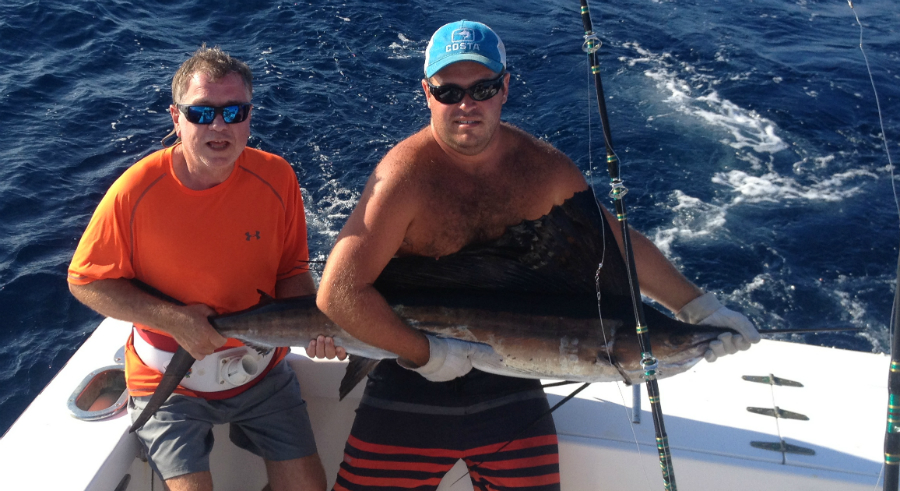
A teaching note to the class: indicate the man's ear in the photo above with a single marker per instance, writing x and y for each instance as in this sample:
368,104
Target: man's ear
176,116
427,92
505,87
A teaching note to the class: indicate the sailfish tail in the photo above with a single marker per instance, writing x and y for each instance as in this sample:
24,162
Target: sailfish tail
177,369
358,368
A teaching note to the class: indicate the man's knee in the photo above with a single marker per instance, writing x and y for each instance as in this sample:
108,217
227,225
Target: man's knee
305,473
196,481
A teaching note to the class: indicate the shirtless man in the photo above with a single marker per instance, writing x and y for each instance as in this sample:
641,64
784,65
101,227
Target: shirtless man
462,180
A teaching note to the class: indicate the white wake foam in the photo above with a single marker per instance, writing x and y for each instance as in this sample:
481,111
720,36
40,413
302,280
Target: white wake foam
776,188
692,92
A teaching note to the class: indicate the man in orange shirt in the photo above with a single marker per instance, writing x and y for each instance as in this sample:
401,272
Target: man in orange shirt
209,222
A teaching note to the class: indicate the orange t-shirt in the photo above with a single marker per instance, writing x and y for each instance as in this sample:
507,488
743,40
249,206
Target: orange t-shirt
216,246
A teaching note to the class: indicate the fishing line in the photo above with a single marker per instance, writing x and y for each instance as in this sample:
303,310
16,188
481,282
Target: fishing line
631,421
884,141
592,44
889,467
649,363
558,384
529,425
590,122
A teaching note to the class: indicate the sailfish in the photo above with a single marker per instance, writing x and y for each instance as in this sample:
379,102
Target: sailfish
548,299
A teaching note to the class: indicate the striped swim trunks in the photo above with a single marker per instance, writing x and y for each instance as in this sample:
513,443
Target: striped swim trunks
409,446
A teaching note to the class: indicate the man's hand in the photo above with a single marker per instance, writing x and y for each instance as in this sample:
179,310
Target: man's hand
194,333
449,359
120,298
323,347
706,310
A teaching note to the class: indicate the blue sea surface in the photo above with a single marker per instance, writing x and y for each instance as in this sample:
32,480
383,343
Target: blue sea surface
748,133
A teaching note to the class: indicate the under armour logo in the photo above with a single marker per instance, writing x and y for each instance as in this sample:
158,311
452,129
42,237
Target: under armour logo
250,236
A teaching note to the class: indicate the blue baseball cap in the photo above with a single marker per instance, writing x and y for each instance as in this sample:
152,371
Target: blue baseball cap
464,41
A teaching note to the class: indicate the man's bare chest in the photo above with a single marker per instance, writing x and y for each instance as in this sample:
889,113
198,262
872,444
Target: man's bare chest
456,216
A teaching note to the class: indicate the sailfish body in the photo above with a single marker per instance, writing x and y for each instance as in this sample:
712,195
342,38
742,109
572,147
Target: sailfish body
548,299
519,335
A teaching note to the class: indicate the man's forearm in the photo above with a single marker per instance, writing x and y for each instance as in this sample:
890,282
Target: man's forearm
659,278
368,317
295,286
120,299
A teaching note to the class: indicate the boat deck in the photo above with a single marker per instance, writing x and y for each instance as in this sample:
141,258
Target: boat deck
716,442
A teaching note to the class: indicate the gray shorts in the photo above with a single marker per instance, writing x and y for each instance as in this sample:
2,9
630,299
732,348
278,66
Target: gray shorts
269,419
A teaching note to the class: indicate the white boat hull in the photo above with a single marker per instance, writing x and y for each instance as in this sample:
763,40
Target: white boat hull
710,430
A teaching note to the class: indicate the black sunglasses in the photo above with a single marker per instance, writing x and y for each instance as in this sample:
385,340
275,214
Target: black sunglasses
235,113
481,91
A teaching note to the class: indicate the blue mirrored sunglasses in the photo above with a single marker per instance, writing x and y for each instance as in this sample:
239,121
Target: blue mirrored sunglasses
232,114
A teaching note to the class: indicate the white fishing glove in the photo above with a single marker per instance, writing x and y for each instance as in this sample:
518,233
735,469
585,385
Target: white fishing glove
706,310
449,359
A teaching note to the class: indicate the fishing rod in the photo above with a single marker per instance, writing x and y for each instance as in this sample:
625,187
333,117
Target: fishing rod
892,432
648,362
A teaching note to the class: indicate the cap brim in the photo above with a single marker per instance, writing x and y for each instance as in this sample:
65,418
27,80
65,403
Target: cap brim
449,60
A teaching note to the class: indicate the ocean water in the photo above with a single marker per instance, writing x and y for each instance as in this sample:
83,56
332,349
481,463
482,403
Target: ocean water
748,133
